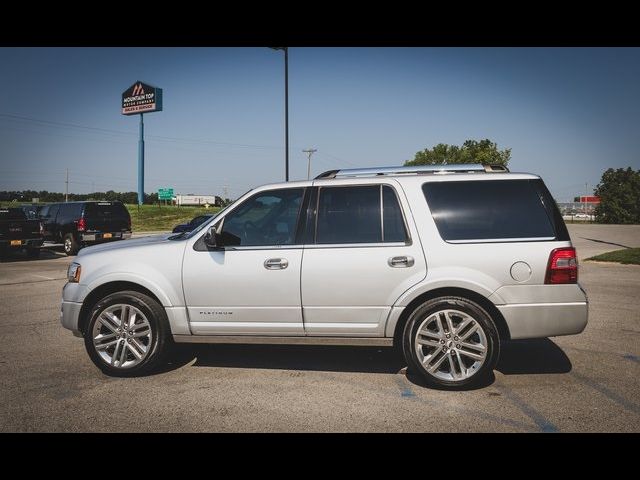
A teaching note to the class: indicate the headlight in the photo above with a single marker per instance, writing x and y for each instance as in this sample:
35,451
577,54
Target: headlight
73,273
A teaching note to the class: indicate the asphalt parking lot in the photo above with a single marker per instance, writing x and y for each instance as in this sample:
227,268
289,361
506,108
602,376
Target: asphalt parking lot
583,383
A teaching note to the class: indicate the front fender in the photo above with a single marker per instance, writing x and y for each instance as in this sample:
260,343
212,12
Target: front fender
166,299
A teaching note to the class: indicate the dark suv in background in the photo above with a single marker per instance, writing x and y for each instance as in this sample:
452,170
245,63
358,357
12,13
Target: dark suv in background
78,224
19,232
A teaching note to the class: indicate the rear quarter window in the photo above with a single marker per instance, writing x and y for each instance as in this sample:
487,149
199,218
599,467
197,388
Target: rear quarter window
70,211
106,209
467,211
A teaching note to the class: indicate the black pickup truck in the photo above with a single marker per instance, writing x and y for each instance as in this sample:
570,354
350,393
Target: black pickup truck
18,232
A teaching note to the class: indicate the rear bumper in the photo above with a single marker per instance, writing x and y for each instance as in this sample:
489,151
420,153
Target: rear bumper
538,320
100,237
536,311
29,242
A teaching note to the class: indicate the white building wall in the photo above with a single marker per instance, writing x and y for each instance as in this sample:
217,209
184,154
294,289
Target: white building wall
194,199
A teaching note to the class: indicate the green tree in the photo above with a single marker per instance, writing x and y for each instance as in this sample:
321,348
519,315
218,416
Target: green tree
619,192
472,151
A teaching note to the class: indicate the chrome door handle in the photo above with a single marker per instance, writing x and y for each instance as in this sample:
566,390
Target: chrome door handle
401,262
276,263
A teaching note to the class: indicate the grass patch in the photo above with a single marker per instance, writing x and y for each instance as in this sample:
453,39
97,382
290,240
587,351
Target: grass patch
625,256
153,218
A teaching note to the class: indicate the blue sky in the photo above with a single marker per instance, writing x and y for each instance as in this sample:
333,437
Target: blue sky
567,114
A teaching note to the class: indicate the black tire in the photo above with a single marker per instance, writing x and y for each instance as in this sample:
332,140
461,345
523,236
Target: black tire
483,373
33,252
71,247
159,346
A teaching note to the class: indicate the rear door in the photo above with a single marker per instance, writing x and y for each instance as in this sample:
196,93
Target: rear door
106,217
67,219
364,252
48,217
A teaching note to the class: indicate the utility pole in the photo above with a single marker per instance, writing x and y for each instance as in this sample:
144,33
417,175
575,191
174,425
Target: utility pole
66,187
309,152
586,193
286,110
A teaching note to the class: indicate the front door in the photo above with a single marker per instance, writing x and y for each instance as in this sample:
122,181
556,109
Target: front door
364,254
251,284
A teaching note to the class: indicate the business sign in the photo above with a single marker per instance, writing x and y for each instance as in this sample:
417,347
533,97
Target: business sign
165,193
589,199
141,98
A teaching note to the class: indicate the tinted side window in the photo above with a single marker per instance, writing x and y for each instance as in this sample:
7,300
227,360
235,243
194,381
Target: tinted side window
268,218
70,211
349,215
489,209
53,211
394,229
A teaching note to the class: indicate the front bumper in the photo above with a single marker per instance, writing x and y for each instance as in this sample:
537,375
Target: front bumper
70,316
72,296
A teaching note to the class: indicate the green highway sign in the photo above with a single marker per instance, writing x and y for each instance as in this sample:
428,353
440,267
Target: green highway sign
165,193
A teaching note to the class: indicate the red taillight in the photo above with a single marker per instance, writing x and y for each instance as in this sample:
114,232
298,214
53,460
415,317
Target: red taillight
563,266
81,225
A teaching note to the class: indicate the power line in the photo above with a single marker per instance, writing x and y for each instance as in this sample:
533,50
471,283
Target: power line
122,132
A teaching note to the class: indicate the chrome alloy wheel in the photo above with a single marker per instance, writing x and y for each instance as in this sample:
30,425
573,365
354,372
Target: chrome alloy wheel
122,336
451,345
67,245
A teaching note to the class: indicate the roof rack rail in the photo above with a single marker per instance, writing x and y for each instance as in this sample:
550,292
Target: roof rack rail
419,169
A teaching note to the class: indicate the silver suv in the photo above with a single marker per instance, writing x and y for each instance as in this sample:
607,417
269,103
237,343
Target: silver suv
444,261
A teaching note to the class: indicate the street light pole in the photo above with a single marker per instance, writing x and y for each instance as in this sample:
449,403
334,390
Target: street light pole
309,152
286,110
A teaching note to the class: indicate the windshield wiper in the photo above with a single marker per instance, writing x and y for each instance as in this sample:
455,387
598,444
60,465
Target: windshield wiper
178,236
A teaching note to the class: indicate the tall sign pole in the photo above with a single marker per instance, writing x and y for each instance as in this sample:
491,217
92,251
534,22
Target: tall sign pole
141,98
286,113
141,162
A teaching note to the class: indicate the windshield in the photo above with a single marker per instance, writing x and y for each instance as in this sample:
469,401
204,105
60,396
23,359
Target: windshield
185,235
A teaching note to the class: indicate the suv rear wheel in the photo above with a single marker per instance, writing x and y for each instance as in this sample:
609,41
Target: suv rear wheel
127,334
451,342
71,247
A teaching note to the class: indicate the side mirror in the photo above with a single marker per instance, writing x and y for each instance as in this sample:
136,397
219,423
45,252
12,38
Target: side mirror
212,239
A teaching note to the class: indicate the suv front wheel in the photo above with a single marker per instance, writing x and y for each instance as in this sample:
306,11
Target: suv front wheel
451,342
127,334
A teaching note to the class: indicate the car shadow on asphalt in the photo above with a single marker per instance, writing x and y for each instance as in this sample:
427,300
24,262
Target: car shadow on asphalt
537,356
534,356
292,357
21,256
